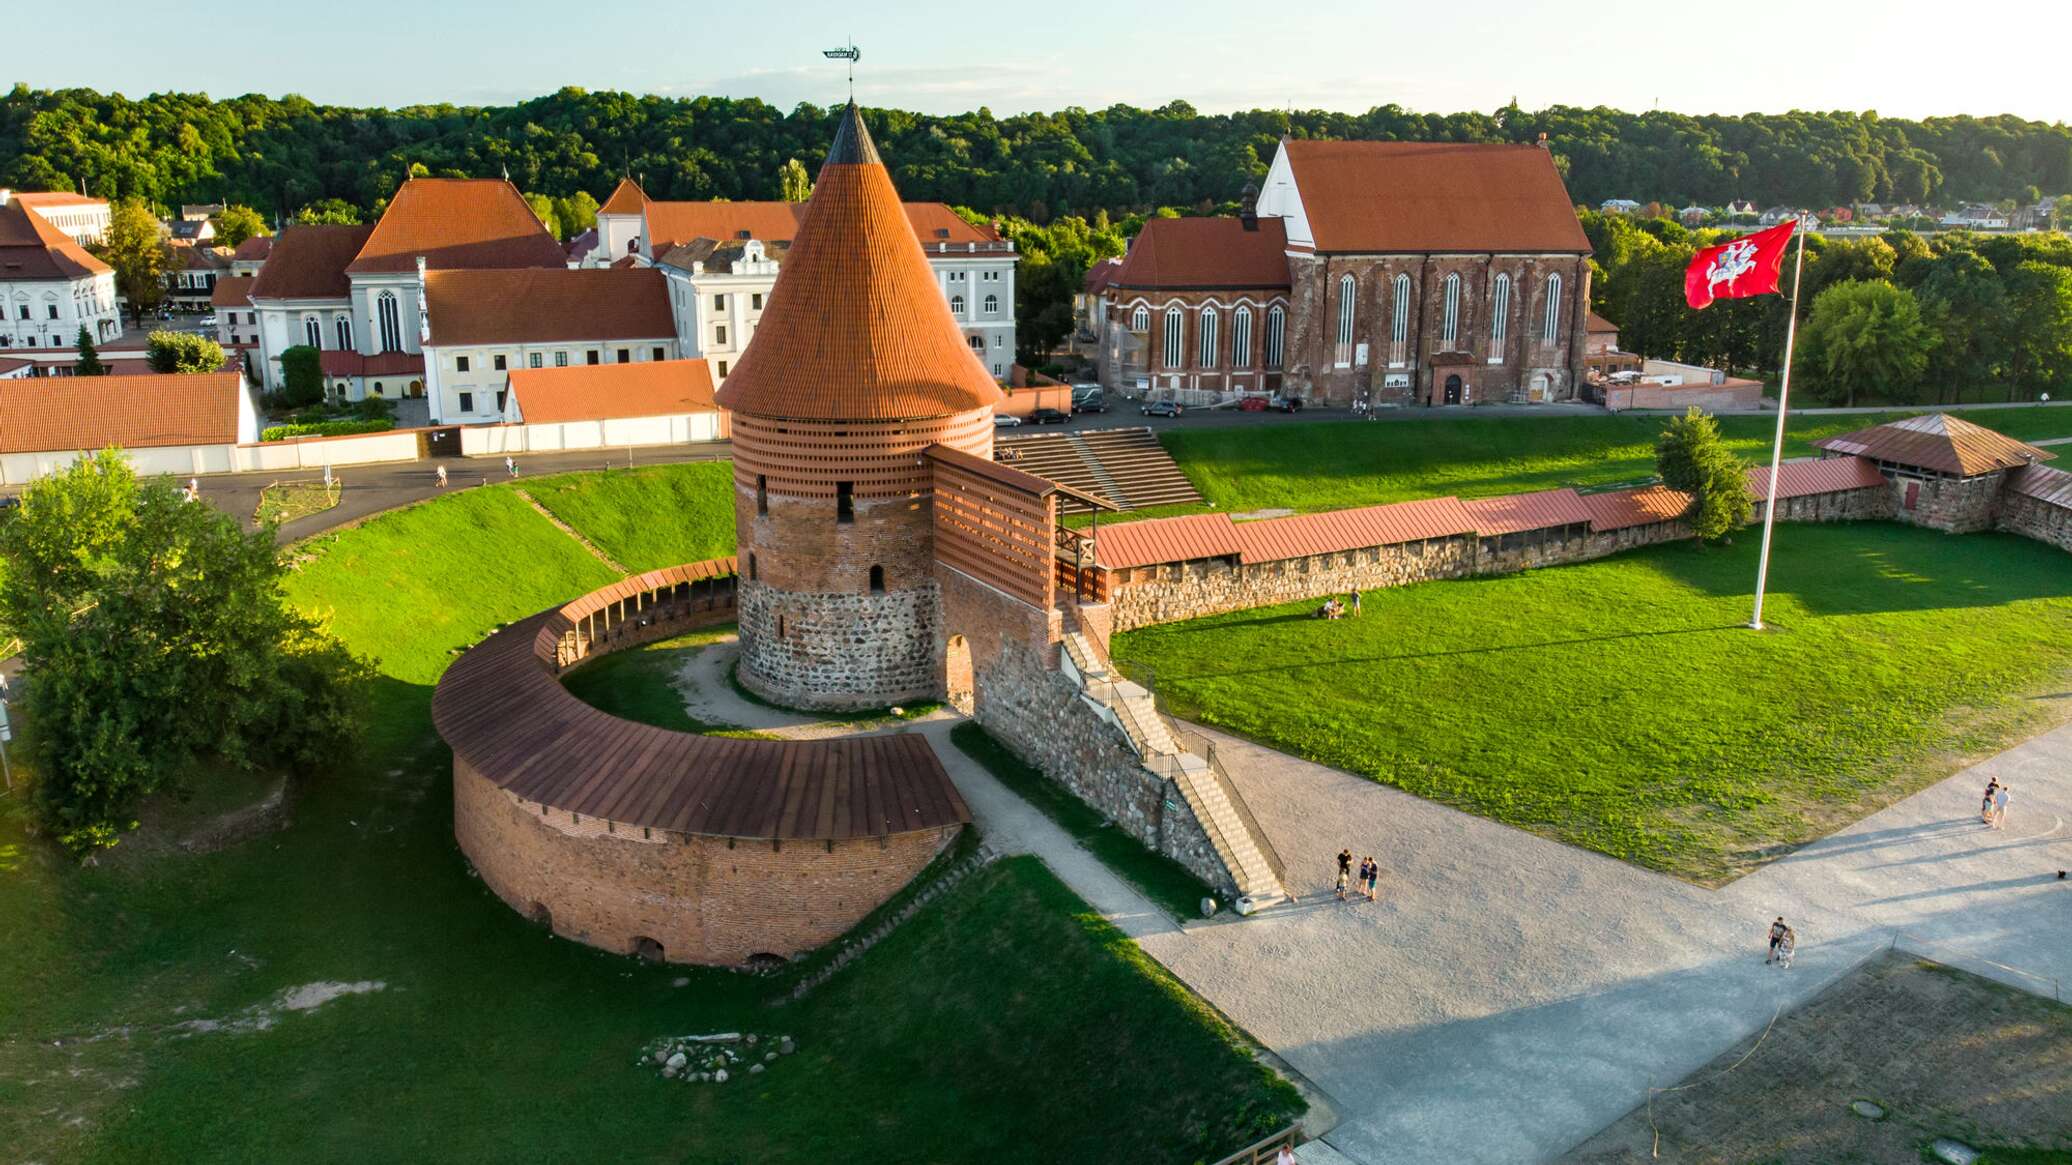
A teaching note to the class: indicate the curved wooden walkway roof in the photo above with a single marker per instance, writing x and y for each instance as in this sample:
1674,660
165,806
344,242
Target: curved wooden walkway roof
503,710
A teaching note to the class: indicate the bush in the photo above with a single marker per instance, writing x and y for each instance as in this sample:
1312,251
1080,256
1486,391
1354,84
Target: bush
373,408
183,352
302,371
346,428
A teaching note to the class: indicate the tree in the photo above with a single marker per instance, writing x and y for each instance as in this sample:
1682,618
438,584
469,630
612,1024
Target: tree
329,212
238,223
183,352
543,210
793,183
2039,328
137,250
161,647
89,362
1690,456
1866,336
302,376
577,213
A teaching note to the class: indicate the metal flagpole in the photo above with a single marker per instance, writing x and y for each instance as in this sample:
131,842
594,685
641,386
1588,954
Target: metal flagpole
1791,327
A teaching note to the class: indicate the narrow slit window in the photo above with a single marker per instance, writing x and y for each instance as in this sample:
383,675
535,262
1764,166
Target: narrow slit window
845,502
762,494
877,580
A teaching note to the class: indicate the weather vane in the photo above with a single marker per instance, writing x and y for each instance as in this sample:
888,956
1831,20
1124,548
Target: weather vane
851,54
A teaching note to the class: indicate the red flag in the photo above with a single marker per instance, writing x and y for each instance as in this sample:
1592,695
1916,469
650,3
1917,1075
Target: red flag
1750,265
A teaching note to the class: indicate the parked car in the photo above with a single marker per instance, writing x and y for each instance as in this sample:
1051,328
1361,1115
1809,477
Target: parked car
208,321
1048,417
1252,404
1162,408
1006,421
1096,403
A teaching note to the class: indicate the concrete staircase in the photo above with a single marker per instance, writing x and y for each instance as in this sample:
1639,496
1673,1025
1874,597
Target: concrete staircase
1196,775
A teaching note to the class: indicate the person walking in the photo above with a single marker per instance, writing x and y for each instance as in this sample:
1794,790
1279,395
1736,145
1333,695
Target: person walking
1356,604
1985,806
1777,932
1345,871
1787,947
442,477
1373,876
511,466
2000,808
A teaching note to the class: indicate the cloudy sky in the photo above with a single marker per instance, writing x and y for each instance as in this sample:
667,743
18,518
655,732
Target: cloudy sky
1901,57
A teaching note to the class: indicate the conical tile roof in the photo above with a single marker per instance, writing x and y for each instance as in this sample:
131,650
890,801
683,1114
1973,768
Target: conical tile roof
857,327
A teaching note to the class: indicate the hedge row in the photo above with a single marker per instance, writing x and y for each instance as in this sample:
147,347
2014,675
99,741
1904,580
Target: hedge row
324,429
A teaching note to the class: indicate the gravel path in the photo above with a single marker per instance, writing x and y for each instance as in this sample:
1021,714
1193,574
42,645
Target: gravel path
1509,996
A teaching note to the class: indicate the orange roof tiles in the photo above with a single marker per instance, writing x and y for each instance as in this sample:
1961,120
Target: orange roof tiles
856,327
652,388
1597,325
233,291
1183,253
1797,479
309,262
1937,442
253,250
626,198
1423,197
545,305
1516,513
55,198
1620,508
672,224
31,248
1156,540
1301,535
57,414
456,224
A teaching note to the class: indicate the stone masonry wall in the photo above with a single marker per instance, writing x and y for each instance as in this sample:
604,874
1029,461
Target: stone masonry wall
2049,524
1854,505
840,650
1166,594
705,899
1039,713
1950,504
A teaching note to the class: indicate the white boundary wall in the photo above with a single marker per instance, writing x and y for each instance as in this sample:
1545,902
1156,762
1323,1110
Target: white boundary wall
611,433
199,460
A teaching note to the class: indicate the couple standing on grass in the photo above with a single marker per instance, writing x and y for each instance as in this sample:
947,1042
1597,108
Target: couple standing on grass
1370,873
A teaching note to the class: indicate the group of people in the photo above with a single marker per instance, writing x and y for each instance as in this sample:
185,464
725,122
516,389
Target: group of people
1337,608
1362,883
1784,943
1993,809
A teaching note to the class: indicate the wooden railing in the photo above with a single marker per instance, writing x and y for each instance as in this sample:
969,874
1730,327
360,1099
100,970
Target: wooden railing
1264,1152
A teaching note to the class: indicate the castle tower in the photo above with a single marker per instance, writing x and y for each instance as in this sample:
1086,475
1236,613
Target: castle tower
856,369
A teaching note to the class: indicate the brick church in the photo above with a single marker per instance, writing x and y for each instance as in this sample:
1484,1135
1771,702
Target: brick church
1429,273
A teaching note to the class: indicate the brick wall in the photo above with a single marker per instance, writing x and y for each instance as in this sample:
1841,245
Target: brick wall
2024,515
1950,504
705,899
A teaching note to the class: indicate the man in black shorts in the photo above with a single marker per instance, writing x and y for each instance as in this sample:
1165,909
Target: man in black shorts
1345,871
1777,930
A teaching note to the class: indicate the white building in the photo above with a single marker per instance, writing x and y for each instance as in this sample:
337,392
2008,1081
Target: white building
83,220
484,325
611,406
182,425
50,288
722,260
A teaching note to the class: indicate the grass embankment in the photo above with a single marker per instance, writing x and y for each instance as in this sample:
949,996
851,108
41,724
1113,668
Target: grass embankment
639,684
648,518
1001,1023
284,501
1619,704
1160,878
1329,465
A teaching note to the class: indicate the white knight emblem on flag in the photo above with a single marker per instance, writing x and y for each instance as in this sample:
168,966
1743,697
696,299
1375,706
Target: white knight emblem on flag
1731,264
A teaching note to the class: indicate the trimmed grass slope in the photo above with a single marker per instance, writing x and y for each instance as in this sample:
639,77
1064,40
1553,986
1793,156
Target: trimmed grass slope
1619,705
648,518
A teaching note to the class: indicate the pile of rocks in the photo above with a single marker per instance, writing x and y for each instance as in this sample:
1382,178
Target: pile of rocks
714,1058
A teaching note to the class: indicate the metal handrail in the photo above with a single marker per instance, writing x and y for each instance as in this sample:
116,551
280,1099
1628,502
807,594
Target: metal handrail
1207,752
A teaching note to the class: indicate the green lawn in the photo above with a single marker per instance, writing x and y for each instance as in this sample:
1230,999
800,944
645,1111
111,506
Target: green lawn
648,518
1003,1022
1619,705
1329,465
1156,876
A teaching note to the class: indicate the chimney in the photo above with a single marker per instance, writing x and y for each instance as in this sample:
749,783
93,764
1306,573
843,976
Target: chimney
1248,207
1543,142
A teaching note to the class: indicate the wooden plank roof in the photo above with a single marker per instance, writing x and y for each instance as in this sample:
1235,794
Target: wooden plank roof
505,713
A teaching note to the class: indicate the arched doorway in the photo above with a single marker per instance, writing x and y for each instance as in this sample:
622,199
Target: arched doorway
958,688
416,389
1453,389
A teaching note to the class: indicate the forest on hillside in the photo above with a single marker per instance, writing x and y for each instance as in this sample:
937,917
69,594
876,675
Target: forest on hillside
280,154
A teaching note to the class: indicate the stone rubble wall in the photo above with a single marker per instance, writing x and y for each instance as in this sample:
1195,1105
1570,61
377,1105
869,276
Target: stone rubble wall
840,651
2031,518
1952,505
1038,713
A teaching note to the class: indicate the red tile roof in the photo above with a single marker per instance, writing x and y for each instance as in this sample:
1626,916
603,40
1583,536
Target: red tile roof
348,363
1157,540
309,262
547,305
55,198
1301,535
233,291
672,224
57,414
2042,483
1597,325
1421,197
655,388
457,224
1516,513
626,198
253,250
1101,275
198,258
1937,442
1620,508
1798,479
1200,253
856,327
31,248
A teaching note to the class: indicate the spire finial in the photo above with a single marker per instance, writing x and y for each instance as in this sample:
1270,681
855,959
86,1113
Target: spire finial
851,54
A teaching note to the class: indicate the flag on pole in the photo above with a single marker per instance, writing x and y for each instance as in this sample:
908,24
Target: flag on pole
1750,265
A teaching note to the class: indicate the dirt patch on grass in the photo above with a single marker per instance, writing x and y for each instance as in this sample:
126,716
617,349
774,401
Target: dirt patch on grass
1934,1051
285,501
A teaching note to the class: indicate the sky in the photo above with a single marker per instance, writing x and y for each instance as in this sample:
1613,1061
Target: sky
1902,58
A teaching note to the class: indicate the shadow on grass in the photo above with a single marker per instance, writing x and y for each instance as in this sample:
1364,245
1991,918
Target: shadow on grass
1876,567
1495,649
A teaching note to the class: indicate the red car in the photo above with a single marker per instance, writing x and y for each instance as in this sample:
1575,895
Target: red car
1252,404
